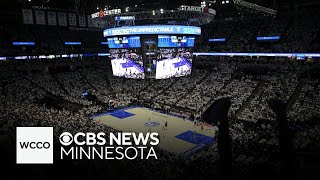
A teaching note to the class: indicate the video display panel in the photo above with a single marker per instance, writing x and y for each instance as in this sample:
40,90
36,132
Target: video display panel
127,63
153,29
124,42
175,41
173,63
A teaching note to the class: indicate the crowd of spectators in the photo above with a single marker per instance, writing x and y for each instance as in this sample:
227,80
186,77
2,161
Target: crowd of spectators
252,126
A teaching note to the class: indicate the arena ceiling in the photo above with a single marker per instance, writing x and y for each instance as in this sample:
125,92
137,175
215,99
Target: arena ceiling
91,5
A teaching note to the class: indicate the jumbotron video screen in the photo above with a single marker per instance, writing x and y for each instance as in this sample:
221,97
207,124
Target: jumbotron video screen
124,42
173,63
166,41
127,63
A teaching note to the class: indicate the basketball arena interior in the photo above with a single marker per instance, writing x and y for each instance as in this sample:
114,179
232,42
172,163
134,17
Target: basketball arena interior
232,87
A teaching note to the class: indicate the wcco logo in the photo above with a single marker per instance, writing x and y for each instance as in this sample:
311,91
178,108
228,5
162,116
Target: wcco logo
34,145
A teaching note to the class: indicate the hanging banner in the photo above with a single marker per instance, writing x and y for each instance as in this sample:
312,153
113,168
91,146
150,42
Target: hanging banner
62,19
40,17
52,18
27,16
72,19
89,20
82,21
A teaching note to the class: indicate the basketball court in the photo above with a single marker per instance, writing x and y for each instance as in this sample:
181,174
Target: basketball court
180,136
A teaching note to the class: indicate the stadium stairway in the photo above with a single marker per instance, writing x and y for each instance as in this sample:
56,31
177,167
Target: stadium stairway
295,95
190,90
108,82
37,85
140,96
145,87
256,92
60,84
68,104
85,79
212,100
315,44
164,89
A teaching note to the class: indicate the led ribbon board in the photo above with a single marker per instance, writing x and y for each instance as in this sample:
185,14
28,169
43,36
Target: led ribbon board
72,43
217,40
124,18
268,38
23,43
159,29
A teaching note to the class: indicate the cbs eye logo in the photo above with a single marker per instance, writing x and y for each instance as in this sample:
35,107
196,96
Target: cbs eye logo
66,138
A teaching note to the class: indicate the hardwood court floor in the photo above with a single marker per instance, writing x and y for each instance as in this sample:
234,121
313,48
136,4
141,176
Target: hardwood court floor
177,137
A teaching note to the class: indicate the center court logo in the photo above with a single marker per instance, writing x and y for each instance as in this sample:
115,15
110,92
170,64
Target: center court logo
152,124
34,145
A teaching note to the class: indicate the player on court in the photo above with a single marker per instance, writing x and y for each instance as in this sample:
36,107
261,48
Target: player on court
193,136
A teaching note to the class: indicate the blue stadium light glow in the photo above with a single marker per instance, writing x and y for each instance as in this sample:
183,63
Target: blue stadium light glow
268,38
124,18
23,43
74,55
159,29
217,40
104,43
3,58
103,54
311,55
72,43
88,55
